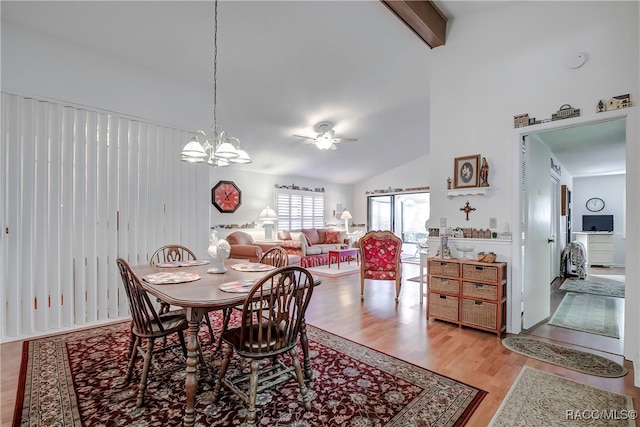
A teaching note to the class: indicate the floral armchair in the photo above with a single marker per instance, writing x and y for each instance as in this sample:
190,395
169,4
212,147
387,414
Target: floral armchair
380,258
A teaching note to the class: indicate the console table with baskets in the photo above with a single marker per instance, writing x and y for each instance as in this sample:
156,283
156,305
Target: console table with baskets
468,293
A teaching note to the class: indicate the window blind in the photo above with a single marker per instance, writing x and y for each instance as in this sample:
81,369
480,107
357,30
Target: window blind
299,209
79,188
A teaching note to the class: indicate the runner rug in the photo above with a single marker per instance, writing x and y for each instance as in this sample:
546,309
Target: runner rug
615,289
79,379
566,357
595,314
540,399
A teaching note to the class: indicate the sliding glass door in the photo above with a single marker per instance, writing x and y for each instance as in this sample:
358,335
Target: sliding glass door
404,214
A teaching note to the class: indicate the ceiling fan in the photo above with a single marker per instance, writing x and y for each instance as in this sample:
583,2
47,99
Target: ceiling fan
325,140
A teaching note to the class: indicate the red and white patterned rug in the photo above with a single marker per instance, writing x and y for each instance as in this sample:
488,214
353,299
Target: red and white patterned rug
79,379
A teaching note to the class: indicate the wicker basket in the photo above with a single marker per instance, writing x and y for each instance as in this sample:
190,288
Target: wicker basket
480,272
486,257
480,290
479,313
443,306
444,268
444,284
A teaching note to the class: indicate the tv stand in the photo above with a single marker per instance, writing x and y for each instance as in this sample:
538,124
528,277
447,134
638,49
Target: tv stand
599,247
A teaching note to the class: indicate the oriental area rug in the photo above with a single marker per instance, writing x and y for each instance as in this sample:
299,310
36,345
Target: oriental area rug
613,289
541,399
595,314
79,379
566,357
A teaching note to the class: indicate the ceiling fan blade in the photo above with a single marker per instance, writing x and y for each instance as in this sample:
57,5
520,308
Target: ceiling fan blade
305,137
338,140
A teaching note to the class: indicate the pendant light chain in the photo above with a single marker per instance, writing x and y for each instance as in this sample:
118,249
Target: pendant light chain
215,71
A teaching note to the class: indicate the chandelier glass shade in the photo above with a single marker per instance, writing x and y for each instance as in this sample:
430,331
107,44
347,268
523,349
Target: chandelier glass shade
221,150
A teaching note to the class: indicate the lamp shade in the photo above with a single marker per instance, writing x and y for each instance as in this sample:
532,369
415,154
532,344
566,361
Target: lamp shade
243,157
193,151
346,215
268,214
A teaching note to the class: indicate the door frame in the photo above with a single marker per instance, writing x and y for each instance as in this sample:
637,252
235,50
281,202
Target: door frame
515,291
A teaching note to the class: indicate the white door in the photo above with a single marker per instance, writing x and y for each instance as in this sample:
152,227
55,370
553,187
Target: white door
537,223
554,248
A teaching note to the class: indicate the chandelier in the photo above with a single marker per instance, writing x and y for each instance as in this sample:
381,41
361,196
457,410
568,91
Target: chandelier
221,150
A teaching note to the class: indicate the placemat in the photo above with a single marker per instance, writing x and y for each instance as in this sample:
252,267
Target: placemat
252,266
237,286
188,263
165,278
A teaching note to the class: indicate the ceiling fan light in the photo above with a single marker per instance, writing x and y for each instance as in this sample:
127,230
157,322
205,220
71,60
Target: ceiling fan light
323,143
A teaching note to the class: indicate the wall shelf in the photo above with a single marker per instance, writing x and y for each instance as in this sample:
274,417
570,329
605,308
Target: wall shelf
473,191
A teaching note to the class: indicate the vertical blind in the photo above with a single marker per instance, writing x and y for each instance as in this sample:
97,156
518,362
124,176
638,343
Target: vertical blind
80,188
298,209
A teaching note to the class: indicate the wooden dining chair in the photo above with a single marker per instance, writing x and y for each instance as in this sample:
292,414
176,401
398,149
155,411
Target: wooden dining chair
271,320
277,257
380,258
147,324
173,253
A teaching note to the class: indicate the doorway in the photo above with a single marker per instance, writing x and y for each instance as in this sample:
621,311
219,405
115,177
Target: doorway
574,147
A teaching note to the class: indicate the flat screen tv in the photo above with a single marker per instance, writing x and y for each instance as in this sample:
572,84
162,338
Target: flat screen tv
597,222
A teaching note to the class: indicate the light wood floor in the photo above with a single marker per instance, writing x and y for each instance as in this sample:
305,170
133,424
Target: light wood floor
401,330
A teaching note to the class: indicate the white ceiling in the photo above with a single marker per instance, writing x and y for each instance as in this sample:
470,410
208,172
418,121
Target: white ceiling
282,67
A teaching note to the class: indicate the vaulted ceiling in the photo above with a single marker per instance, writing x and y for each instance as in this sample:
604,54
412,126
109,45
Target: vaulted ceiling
283,66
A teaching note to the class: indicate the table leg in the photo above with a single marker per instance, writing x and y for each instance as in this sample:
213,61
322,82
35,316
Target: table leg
193,351
304,343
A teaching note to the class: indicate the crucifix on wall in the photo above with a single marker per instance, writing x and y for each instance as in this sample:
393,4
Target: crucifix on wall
466,209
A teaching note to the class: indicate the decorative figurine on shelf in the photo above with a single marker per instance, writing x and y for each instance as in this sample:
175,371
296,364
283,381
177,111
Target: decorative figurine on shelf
444,251
449,183
484,173
219,250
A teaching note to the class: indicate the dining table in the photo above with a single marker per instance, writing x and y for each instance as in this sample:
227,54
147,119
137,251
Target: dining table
199,292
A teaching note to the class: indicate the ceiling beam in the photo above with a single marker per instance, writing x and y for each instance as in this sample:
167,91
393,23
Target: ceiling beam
423,17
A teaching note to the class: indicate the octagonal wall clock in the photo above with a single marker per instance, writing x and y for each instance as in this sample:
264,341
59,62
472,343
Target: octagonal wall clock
226,196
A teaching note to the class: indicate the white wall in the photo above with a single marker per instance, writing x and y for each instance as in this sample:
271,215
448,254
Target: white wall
612,190
511,61
46,67
258,192
411,175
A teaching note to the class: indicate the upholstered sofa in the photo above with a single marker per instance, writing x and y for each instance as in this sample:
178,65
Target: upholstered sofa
312,245
243,246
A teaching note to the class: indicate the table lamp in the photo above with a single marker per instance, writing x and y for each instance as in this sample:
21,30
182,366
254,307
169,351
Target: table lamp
346,215
267,216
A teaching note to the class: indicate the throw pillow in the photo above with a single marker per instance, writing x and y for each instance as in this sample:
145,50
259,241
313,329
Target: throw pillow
332,237
322,235
284,235
312,236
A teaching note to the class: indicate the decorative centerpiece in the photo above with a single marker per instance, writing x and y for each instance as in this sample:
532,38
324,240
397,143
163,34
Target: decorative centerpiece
465,249
486,257
219,250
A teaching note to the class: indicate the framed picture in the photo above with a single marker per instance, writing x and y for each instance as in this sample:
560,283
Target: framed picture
466,171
